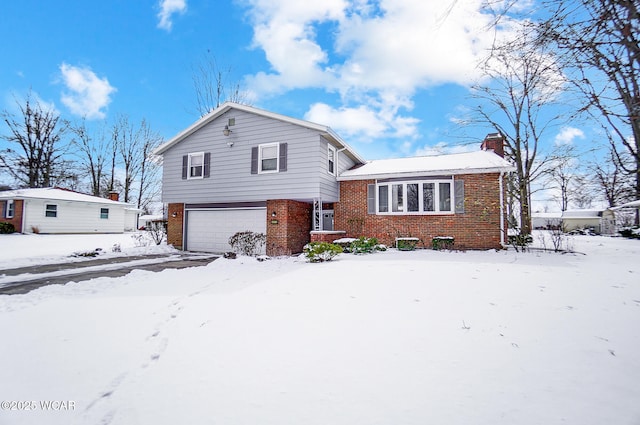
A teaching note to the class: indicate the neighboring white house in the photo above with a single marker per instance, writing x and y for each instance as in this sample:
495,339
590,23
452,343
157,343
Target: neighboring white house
597,220
53,210
146,220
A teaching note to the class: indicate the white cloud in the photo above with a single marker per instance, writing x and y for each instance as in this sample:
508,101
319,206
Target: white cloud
87,94
380,50
363,122
567,135
441,148
167,9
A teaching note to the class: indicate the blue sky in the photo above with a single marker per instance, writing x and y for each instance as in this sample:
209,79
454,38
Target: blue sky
390,77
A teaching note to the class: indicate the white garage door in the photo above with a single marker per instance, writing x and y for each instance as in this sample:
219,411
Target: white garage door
210,231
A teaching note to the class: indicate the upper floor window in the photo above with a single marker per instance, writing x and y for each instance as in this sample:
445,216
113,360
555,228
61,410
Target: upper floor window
331,160
51,210
416,197
10,211
268,158
196,165
104,213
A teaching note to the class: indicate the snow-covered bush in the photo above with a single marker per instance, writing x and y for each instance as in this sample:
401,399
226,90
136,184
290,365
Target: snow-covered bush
364,245
247,243
317,252
140,240
7,228
157,230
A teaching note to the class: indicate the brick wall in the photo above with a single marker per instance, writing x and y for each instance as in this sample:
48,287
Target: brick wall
477,228
288,231
175,225
18,208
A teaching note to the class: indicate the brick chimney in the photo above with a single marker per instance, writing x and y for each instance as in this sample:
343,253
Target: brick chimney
495,143
114,196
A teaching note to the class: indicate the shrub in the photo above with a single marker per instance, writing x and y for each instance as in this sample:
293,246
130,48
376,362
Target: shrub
630,233
442,242
364,245
35,229
158,231
317,252
406,244
247,243
7,228
520,241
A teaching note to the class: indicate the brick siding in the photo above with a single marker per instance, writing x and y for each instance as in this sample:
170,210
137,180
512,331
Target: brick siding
175,225
477,228
18,208
288,231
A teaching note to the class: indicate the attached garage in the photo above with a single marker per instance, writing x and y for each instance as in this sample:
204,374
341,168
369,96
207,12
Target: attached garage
209,230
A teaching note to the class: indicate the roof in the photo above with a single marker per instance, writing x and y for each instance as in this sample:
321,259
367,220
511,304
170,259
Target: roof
58,195
582,214
632,204
225,107
460,163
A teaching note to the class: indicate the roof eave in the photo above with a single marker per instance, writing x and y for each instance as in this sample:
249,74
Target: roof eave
432,173
267,114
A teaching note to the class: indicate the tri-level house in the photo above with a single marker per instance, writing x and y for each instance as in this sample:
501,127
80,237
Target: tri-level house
241,168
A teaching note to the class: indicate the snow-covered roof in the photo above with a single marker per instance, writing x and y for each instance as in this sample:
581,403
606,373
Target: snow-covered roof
632,204
459,163
582,214
547,215
58,195
151,217
327,131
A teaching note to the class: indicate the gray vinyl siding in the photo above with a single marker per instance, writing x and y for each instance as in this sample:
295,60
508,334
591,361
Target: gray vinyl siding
230,178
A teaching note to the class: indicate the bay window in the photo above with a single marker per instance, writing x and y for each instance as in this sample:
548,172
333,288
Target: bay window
416,197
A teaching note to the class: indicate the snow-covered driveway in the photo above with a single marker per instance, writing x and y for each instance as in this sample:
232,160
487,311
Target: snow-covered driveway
390,338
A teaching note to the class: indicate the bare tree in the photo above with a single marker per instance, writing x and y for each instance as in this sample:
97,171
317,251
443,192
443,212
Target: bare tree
614,185
523,84
134,145
93,154
213,85
149,183
35,155
600,40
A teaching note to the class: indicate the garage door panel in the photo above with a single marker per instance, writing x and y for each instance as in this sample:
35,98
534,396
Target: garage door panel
210,230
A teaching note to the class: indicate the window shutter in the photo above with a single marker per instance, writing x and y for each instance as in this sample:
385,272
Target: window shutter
283,157
254,160
371,199
459,196
185,166
207,165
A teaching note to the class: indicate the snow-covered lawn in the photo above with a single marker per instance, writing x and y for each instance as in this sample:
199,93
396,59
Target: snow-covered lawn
18,250
417,337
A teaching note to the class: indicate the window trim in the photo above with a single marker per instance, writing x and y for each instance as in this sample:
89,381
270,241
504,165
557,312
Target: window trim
103,215
10,212
189,166
403,209
48,211
332,149
268,145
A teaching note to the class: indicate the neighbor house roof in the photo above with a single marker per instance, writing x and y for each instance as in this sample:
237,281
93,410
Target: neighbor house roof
58,195
582,214
460,163
632,204
225,107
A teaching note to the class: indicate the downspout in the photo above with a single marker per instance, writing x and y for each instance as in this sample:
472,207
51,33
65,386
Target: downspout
502,224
